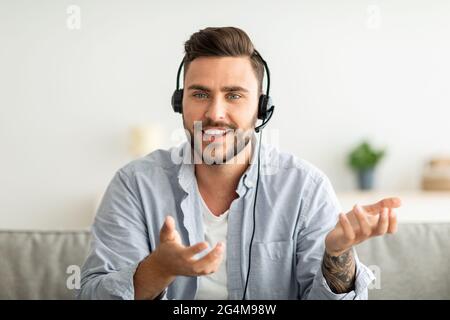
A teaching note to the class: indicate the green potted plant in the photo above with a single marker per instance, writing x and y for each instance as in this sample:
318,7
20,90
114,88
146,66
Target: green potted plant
363,159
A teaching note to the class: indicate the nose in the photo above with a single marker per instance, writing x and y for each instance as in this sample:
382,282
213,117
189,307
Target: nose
216,110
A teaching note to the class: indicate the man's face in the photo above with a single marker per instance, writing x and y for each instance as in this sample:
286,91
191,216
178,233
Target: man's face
220,95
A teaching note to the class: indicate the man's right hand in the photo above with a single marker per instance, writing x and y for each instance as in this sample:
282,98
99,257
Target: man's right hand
170,259
176,259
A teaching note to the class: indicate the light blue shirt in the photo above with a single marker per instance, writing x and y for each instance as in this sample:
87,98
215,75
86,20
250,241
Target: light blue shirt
296,208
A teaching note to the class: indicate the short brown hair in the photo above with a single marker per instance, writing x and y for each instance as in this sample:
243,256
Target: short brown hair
223,42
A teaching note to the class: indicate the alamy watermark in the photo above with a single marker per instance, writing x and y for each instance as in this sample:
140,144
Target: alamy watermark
73,281
376,284
73,20
373,20
224,146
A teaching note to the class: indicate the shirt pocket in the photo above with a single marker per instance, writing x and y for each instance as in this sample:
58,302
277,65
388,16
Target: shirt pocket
271,274
274,251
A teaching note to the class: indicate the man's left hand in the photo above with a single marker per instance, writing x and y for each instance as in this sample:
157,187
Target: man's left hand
362,223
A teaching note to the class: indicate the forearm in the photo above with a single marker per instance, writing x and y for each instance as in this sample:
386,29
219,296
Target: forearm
150,280
339,271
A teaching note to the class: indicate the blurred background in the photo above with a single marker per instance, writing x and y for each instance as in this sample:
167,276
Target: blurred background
85,87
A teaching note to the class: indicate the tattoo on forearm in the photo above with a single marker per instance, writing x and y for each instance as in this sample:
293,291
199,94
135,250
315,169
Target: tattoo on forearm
339,271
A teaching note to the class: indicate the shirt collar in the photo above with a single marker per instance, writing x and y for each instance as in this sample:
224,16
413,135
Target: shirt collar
186,174
250,175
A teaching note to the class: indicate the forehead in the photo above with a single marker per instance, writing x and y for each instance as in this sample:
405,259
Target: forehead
221,71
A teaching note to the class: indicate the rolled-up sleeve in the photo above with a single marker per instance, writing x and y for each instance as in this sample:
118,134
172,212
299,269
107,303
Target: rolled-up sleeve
119,242
319,216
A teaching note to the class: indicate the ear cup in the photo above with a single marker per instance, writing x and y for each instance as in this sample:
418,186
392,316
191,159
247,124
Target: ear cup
262,107
265,103
177,101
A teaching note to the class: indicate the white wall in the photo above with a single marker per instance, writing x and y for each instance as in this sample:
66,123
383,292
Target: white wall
68,97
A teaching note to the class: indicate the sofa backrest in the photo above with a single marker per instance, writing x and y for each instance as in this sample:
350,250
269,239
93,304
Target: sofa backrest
412,264
34,264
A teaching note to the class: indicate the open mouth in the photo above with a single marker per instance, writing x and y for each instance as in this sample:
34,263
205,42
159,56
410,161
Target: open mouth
215,133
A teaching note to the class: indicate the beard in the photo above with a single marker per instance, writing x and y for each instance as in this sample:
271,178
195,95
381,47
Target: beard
218,153
230,149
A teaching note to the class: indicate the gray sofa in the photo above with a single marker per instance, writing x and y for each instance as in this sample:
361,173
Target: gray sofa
412,264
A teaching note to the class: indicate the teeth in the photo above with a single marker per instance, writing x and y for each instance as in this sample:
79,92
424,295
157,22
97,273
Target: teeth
214,132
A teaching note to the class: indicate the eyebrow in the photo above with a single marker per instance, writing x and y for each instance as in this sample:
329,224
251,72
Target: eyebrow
224,89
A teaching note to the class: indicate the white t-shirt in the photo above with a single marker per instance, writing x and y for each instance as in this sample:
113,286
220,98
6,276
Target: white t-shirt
214,286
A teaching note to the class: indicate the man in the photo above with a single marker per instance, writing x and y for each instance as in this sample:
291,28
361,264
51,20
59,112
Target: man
159,215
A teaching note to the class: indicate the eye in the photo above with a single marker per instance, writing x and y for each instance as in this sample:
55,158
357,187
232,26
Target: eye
200,95
234,96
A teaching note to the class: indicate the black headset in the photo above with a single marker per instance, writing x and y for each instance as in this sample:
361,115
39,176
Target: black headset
265,112
265,104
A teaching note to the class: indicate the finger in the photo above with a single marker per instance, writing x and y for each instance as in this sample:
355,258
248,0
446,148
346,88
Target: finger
210,262
392,222
383,222
349,233
365,229
196,248
167,232
385,203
